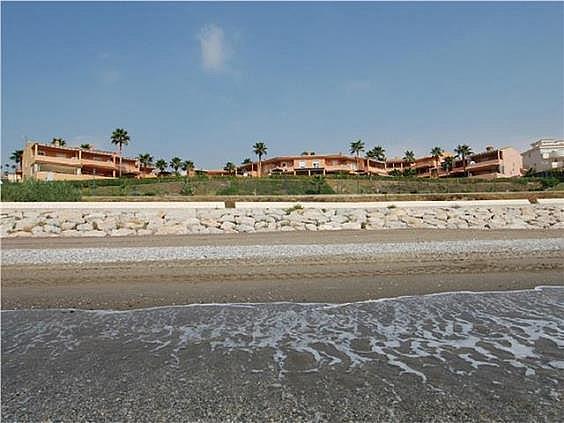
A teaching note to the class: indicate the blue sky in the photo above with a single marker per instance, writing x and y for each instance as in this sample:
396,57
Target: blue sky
204,81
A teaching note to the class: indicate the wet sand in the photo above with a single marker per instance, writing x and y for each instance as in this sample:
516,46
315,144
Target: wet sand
335,279
453,357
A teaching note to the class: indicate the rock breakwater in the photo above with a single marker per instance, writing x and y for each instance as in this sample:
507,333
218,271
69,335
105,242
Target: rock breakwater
84,222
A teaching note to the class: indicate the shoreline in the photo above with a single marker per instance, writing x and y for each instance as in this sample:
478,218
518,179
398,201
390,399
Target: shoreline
328,305
333,279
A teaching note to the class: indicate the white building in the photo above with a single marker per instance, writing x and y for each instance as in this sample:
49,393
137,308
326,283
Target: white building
545,154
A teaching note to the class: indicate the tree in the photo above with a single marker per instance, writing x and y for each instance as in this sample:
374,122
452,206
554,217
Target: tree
59,141
409,157
463,151
175,164
260,149
187,166
120,138
230,168
86,146
357,147
448,163
145,160
17,157
437,153
377,153
246,161
161,165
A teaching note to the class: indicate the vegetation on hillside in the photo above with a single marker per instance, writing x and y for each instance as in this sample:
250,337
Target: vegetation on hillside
39,191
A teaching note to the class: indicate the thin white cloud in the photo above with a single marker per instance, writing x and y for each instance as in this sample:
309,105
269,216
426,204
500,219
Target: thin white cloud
110,76
214,49
355,86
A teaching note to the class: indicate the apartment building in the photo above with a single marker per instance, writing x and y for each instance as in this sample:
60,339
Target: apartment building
315,164
493,163
50,162
546,154
423,167
503,162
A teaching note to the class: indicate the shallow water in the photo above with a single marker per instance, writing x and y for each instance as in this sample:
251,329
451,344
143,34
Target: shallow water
507,346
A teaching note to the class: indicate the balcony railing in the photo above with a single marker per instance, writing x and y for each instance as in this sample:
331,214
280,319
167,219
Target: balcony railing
98,163
68,161
483,164
127,169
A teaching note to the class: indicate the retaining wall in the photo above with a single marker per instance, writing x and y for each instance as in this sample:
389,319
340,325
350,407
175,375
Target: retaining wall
84,219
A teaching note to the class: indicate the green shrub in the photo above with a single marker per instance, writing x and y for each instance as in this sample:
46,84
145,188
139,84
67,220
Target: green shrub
39,191
187,189
294,208
549,182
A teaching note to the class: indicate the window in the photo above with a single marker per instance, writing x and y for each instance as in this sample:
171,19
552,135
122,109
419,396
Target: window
302,164
316,164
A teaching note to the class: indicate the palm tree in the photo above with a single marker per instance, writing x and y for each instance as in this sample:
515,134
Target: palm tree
463,151
17,157
175,163
145,160
377,153
230,168
448,163
248,161
357,147
187,166
120,138
59,141
437,153
409,156
161,165
260,149
86,146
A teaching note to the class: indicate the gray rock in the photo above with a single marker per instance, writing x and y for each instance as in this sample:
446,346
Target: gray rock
351,225
144,232
228,226
245,228
122,232
25,224
68,225
245,221
85,227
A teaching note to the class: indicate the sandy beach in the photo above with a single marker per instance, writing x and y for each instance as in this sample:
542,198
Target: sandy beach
335,277
275,327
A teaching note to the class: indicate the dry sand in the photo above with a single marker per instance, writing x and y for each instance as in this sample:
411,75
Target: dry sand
307,279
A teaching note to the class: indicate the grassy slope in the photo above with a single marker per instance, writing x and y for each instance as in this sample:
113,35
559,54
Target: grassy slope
305,186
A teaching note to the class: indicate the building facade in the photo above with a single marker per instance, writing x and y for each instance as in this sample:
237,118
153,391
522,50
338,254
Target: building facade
493,163
315,164
48,162
505,162
545,155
